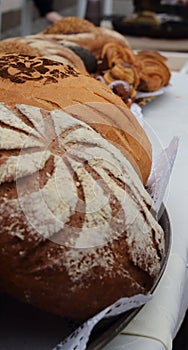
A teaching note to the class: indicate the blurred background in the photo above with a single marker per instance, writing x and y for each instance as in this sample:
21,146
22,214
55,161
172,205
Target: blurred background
157,25
173,15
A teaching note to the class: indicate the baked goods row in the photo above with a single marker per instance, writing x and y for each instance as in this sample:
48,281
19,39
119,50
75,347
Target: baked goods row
77,227
100,52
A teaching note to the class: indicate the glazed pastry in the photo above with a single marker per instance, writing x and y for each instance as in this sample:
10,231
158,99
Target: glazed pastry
154,72
119,64
113,53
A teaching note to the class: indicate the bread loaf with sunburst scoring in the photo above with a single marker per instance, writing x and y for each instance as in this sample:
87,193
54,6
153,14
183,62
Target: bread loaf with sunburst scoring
51,85
76,224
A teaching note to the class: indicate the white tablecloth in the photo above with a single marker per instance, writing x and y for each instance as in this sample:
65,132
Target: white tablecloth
155,327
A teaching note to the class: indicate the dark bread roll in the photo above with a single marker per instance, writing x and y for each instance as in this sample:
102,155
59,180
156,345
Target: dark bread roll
76,229
90,61
154,71
51,85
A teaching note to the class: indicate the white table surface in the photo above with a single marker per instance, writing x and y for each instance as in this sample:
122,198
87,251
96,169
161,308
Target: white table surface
155,327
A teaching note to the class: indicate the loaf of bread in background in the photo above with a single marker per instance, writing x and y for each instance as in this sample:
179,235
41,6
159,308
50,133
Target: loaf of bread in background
52,85
84,33
70,25
76,225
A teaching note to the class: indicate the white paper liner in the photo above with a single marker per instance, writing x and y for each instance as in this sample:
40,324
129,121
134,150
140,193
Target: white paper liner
137,111
141,94
161,172
156,187
78,339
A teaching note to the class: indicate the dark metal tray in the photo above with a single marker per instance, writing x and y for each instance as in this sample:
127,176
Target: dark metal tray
170,29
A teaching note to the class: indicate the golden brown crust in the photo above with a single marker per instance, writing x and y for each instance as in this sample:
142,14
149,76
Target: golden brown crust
38,45
70,25
15,46
51,85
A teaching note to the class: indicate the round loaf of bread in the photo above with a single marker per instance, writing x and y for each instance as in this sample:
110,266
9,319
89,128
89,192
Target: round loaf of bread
33,45
76,225
51,85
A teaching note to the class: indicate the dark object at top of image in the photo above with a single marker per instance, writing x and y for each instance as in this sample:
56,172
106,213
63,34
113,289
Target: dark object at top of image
168,22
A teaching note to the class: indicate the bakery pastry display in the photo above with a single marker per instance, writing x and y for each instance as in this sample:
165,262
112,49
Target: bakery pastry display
83,33
76,225
103,53
51,85
83,39
143,71
78,229
113,52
